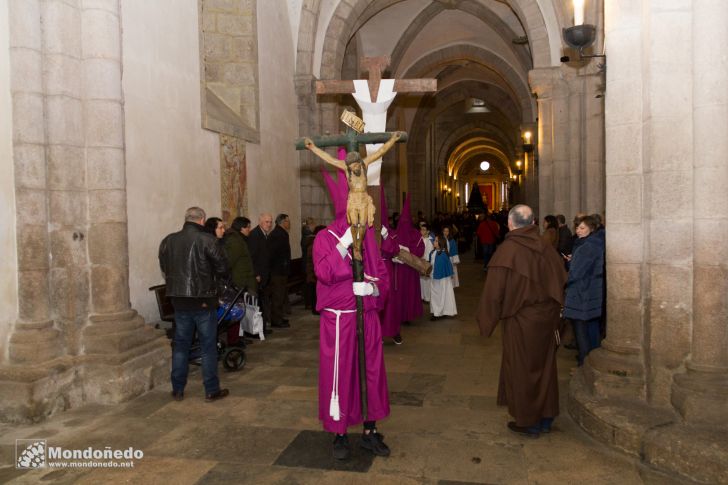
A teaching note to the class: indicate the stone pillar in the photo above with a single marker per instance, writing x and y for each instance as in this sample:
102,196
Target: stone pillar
553,143
34,339
701,392
77,339
617,369
115,333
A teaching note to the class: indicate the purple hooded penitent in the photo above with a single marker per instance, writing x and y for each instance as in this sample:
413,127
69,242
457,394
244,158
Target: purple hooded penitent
390,315
407,287
338,365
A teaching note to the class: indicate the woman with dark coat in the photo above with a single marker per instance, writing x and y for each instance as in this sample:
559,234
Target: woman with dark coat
583,303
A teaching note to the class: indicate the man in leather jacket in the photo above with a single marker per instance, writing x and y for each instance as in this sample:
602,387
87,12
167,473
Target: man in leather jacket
190,260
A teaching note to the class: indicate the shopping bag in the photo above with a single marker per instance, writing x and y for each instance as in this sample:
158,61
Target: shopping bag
252,322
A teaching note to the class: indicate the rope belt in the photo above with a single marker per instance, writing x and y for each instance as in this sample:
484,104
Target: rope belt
334,409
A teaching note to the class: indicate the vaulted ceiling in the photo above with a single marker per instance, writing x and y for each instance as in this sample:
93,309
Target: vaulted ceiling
480,51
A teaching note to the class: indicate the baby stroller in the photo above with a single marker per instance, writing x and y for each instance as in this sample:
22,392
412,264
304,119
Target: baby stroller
230,311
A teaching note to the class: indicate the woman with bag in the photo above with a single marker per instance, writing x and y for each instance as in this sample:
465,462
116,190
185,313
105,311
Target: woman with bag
241,264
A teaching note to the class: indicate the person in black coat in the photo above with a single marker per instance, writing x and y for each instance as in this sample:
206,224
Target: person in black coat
260,251
280,267
191,260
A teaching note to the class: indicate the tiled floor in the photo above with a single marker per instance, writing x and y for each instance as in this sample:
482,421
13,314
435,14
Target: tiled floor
444,429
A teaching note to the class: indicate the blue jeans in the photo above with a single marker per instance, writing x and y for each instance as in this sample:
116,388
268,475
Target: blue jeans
186,322
588,337
488,250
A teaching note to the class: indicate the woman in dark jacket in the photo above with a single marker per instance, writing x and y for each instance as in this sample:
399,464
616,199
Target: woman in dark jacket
583,303
241,263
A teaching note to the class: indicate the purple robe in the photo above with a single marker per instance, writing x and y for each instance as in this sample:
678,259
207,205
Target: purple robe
407,294
334,292
390,315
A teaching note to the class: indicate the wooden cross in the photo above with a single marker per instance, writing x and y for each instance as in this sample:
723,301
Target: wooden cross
375,66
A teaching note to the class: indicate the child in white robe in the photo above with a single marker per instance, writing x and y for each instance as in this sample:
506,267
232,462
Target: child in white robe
442,296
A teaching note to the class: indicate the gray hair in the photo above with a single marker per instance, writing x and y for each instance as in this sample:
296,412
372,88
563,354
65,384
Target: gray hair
194,214
520,216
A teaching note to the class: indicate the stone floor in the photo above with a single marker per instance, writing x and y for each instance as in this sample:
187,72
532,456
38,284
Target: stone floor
445,427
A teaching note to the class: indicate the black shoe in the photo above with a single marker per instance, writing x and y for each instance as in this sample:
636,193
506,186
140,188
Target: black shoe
524,430
342,448
397,339
267,331
374,442
178,395
216,396
282,324
433,318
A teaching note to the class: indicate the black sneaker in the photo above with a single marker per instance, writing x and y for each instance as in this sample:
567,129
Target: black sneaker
374,442
342,448
178,395
397,339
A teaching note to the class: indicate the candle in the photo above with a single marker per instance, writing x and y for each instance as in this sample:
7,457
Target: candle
578,12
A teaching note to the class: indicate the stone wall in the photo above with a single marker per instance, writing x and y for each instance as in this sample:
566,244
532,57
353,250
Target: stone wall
172,162
229,70
272,164
658,387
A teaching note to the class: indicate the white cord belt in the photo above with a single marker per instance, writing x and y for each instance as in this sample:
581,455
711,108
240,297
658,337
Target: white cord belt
334,410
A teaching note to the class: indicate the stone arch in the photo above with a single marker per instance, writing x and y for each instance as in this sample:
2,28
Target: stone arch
538,20
476,129
481,12
519,85
417,145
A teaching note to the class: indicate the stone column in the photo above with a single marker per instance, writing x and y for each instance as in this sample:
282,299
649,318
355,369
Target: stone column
77,339
617,368
115,333
34,339
701,392
553,143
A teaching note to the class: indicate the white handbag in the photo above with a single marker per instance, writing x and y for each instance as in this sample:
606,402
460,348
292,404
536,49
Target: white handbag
252,322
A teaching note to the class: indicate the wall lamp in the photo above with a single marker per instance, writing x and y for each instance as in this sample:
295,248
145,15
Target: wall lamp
518,170
581,35
527,145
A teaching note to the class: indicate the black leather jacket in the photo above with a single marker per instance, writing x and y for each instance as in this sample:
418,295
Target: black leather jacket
190,259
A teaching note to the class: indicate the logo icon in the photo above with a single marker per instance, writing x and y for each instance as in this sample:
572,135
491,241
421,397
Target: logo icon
30,454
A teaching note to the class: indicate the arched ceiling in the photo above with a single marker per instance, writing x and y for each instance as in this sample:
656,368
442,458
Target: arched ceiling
480,51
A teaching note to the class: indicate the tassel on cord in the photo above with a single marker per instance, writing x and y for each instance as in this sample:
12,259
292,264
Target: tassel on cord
334,410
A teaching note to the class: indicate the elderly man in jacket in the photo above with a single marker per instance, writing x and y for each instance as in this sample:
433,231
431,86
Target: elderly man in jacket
190,259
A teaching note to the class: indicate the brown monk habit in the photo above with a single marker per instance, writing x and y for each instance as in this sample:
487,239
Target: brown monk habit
524,289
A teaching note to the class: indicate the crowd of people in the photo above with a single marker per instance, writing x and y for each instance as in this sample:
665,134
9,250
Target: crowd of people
201,257
535,278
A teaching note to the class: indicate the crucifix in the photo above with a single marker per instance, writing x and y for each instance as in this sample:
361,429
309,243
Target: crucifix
374,95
